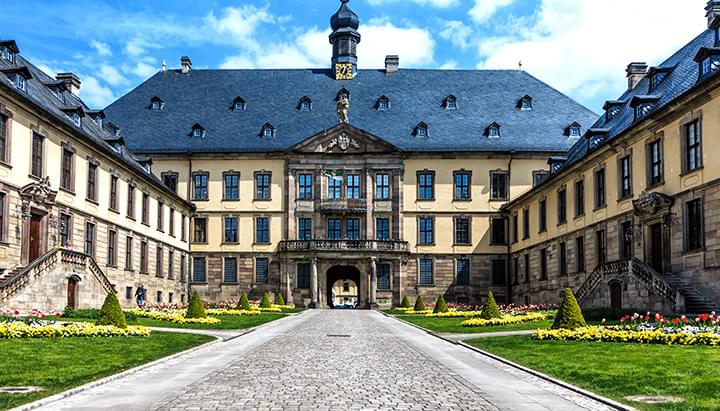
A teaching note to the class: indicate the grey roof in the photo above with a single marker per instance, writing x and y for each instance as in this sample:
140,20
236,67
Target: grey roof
205,97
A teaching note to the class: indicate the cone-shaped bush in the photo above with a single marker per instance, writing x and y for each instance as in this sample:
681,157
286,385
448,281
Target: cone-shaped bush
243,304
279,300
490,309
265,302
419,304
569,315
440,305
111,313
406,302
196,308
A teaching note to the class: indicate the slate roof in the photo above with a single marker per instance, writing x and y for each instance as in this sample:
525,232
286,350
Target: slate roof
205,97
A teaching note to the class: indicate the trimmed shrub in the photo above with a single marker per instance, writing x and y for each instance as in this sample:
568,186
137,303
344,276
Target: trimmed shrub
569,315
196,308
440,305
265,302
406,302
111,313
243,304
490,309
419,304
279,300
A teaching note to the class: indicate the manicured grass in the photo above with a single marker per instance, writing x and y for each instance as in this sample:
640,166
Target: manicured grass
228,322
617,370
452,325
394,311
58,364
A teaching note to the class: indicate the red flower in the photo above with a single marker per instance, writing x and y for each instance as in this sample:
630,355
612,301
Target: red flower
675,320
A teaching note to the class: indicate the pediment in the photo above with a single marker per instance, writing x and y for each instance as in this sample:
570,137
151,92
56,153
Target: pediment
344,139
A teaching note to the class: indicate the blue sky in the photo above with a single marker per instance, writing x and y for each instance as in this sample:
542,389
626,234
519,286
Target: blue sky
580,47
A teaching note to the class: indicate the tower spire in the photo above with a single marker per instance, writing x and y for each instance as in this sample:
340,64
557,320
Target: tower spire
344,38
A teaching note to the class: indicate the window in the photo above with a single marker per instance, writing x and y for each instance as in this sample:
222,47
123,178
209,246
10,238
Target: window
170,298
543,263
305,187
499,275
131,200
451,103
200,187
600,200
305,229
90,239
65,225
600,247
144,257
262,186
160,216
542,215
156,104
562,206
426,271
579,198
383,276
20,82
693,152
498,235
232,186
352,231
112,248
199,269
92,181
493,131
353,186
159,262
515,228
382,229
128,293
580,254
75,118
655,163
383,103
36,167
303,275
198,132
159,297
172,222
183,268
626,239
238,104
694,231
346,286
462,185
128,253
230,270
261,270
574,131
145,209
200,232
498,185
7,54
171,264
382,186
625,166
113,192
4,138
526,103
526,265
171,181
462,271
426,185
539,177
526,223
335,183
262,230
183,235
267,131
562,250
421,130
305,104
516,271
67,178
334,229
231,230
462,230
426,230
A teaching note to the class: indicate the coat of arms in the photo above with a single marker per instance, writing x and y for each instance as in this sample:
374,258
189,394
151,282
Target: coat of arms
343,141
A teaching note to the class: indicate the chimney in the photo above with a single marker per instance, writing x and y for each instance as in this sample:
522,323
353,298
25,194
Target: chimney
712,12
635,72
186,64
392,64
71,81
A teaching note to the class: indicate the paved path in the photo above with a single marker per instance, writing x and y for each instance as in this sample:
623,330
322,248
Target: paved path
323,359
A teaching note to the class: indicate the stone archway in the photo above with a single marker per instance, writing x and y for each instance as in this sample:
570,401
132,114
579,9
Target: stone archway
342,273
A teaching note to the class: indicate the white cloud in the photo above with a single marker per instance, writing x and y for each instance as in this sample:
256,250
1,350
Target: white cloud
457,32
101,48
484,9
415,46
138,46
434,3
144,70
449,65
112,76
241,24
94,94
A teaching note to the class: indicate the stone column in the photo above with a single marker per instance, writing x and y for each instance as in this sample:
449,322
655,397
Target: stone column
314,285
288,286
372,303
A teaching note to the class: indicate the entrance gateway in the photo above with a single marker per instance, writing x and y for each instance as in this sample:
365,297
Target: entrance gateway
343,287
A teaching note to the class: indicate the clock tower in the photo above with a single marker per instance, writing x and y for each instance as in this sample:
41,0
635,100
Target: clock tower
344,38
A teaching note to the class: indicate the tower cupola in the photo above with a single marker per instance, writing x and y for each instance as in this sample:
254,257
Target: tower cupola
344,38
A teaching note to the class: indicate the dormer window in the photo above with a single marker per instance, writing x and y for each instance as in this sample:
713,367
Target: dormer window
98,121
643,105
383,103
117,147
58,93
8,50
421,130
574,130
450,103
198,131
75,118
305,104
596,136
612,109
657,75
238,104
268,131
493,130
156,104
708,60
525,103
20,82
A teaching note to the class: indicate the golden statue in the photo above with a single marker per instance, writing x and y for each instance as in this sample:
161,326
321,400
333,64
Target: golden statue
342,108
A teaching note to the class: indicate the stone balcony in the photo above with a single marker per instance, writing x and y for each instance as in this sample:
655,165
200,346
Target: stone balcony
344,246
343,205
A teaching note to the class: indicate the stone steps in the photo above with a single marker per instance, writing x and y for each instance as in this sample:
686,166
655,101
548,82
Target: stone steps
695,302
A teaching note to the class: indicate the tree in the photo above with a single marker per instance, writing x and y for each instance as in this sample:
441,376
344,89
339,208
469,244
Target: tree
490,309
243,304
419,304
279,300
569,315
440,305
406,302
196,309
265,302
111,313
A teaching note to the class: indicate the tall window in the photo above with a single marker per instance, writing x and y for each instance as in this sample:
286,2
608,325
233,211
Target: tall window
426,186
144,257
171,181
693,152
353,186
655,165
262,186
579,198
90,239
543,263
626,239
261,270
542,215
231,229
499,272
562,206
600,247
200,231
4,137
694,232
67,180
462,185
183,235
383,276
145,209
562,250
232,186
160,216
526,265
580,254
183,268
462,271
426,230
498,235
516,271
526,223
352,231
515,228
462,230
113,192
303,275
335,187
65,225
36,168
171,220
305,229
382,229
112,248
131,201
128,253
199,269
600,198
498,185
305,186
159,261
200,187
171,264
262,230
230,270
625,167
382,186
334,229
426,271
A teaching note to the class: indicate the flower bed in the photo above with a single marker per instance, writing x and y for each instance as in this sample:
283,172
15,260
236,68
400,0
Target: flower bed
173,316
621,334
504,320
273,309
45,329
223,311
454,314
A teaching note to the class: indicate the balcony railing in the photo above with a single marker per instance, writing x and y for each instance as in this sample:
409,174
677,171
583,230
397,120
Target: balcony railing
343,205
344,245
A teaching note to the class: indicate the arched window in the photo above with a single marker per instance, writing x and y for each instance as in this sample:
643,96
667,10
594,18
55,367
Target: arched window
197,131
305,104
156,104
493,130
268,131
421,130
383,103
238,104
450,102
525,103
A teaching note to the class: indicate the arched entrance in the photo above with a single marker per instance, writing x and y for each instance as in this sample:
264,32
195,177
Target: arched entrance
72,291
616,295
341,281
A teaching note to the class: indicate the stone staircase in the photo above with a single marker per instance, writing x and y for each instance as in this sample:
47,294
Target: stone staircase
695,302
7,275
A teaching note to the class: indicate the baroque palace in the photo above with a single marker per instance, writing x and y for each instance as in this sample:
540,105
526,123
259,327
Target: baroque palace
346,186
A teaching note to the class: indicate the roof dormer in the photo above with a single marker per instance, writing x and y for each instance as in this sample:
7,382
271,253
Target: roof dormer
574,130
113,128
525,103
305,104
643,105
657,75
556,163
708,59
156,104
493,130
75,114
421,130
238,104
450,102
612,109
596,136
19,76
198,131
8,50
267,131
382,103
97,116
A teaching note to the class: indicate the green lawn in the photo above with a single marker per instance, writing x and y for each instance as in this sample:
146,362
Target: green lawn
58,364
228,322
617,370
452,325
